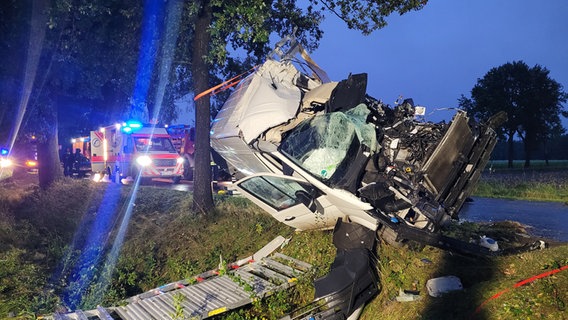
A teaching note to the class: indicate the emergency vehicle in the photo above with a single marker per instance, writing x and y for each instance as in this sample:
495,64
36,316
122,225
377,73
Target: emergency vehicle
131,149
183,137
23,157
80,157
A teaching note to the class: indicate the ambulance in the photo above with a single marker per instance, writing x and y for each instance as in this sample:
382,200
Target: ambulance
131,149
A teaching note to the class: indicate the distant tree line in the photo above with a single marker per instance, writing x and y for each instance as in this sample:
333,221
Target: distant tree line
557,149
533,102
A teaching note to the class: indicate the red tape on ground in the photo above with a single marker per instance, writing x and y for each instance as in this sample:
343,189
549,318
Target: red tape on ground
519,284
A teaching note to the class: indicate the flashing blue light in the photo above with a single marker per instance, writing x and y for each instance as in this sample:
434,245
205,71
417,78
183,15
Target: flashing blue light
134,124
3,151
131,126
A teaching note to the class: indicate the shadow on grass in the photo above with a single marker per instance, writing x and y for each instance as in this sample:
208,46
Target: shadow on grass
461,304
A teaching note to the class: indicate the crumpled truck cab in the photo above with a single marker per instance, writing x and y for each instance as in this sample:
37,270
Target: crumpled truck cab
311,151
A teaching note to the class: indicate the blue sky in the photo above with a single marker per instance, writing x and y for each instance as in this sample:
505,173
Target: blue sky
436,54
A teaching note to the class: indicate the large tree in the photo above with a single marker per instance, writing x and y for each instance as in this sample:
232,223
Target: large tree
14,23
86,69
247,25
532,100
102,58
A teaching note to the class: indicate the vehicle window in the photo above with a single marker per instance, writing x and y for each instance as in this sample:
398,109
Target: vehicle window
278,192
153,144
321,144
286,169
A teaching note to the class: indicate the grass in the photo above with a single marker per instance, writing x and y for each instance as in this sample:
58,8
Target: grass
166,241
543,184
481,279
535,165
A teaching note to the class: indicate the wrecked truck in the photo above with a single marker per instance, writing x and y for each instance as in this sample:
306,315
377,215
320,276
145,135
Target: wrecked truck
322,154
311,151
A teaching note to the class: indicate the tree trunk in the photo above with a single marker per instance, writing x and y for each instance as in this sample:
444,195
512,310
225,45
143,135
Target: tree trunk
528,152
546,154
510,151
202,194
49,165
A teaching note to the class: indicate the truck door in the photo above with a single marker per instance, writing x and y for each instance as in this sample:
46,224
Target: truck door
290,200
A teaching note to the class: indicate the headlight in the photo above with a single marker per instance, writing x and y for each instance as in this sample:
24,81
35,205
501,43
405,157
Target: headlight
5,163
180,160
31,164
144,161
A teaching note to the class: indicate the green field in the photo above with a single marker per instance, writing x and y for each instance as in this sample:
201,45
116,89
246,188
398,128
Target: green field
538,183
535,164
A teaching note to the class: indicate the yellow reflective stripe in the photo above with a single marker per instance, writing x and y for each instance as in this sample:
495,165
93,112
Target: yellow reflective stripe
217,311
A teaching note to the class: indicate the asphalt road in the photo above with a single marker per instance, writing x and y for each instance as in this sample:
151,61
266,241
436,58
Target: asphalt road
25,178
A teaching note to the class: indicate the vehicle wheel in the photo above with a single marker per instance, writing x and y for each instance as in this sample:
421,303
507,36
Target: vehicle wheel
188,173
176,180
187,170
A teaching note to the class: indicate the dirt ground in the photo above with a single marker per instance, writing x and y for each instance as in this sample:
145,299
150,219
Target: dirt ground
20,178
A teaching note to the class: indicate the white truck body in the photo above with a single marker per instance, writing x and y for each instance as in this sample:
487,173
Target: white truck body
310,151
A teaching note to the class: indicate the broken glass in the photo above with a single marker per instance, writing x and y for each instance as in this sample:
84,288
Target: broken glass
321,143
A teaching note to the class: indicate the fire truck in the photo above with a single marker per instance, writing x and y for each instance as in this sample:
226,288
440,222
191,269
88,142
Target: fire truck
131,149
183,139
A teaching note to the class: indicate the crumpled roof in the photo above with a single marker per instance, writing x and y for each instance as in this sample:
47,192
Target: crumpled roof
267,106
264,100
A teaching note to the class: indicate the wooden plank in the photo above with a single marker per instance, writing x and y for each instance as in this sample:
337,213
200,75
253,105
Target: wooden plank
267,274
280,267
304,266
103,314
260,286
269,248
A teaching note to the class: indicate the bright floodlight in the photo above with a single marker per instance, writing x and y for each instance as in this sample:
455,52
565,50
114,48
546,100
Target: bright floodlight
144,161
5,163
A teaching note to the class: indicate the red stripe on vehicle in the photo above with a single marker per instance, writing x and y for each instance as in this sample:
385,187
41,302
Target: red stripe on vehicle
146,135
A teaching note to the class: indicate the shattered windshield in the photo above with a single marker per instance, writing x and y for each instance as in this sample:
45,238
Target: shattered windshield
323,142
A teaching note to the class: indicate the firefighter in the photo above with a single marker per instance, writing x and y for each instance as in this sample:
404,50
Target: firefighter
68,163
77,159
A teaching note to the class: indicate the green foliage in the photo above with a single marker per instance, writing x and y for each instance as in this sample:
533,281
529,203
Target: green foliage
368,16
19,283
178,307
533,102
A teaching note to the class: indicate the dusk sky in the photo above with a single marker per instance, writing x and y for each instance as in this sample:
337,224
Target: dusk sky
436,54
